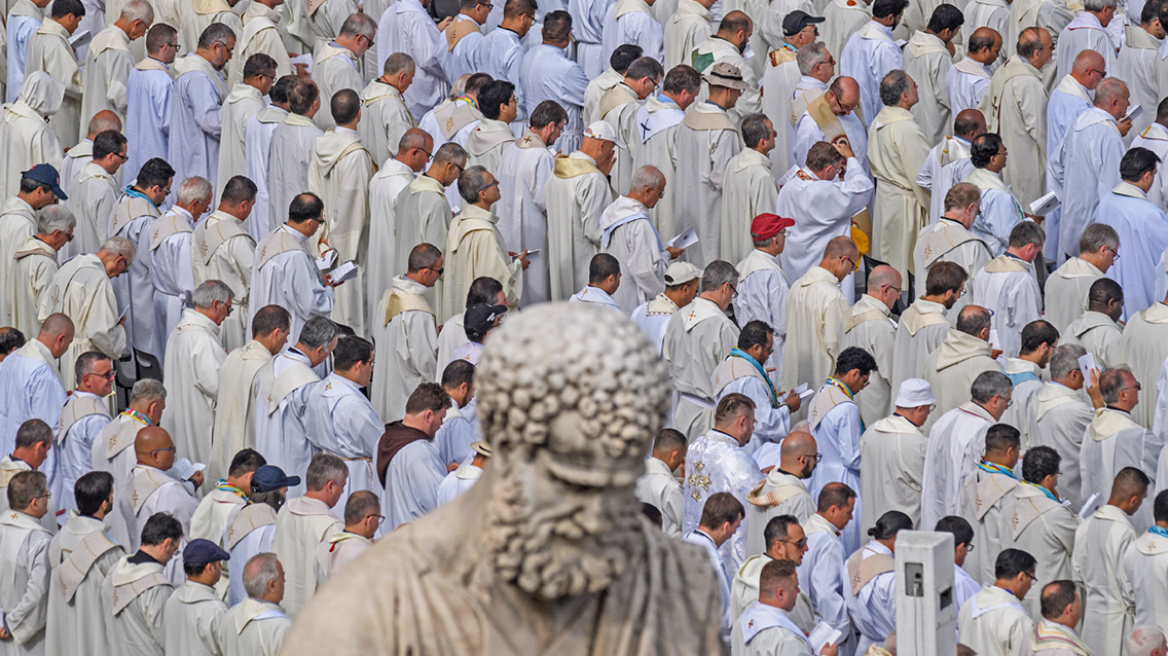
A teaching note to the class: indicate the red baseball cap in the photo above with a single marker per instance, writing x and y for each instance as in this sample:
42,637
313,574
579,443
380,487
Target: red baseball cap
766,226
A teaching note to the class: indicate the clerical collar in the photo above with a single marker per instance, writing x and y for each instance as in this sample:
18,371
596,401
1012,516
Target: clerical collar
341,128
1011,255
716,105
1126,412
994,468
949,218
13,458
141,558
297,351
183,211
784,471
511,31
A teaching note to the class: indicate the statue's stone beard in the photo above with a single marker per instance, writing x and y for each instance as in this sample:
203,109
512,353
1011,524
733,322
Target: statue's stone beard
582,544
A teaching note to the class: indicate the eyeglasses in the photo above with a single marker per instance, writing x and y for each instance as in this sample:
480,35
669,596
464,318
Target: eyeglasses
968,548
1098,72
1033,578
438,271
493,184
380,518
851,263
814,456
161,450
111,374
367,39
799,544
898,290
1114,253
429,155
733,291
124,156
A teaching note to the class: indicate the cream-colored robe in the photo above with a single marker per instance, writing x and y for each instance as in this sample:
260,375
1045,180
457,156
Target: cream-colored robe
658,148
927,62
1042,528
698,337
951,369
425,218
221,249
252,627
134,598
893,453
950,241
1145,573
896,150
333,68
81,556
922,328
25,570
1015,107
866,325
475,249
384,119
1002,626
685,28
748,190
1143,347
194,355
576,196
81,290
1111,442
291,149
197,15
106,73
982,498
190,615
406,339
706,142
339,173
49,51
843,19
239,106
1066,292
93,200
1059,420
1096,332
340,549
17,226
485,144
1100,543
25,138
780,78
815,308
386,185
301,524
263,32
32,273
234,427
619,108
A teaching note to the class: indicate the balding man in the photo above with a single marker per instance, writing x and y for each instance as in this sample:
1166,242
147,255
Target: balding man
82,154
953,366
1015,107
152,487
425,210
948,161
221,249
1146,640
256,626
386,117
335,63
832,117
362,519
1070,98
108,61
1114,441
30,383
1087,165
81,290
893,452
394,175
1143,347
867,325
870,54
1088,31
726,46
896,153
950,240
927,61
111,450
658,486
969,78
1120,211
577,194
171,265
783,491
628,234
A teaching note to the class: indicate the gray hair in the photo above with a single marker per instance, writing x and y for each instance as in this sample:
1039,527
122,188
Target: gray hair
450,153
119,246
989,384
1143,640
400,62
1098,5
648,176
893,86
718,273
754,129
209,292
810,56
359,25
138,10
317,332
472,181
54,218
87,362
1115,380
1065,360
1096,236
1109,89
259,573
147,390
323,468
215,33
193,189
456,89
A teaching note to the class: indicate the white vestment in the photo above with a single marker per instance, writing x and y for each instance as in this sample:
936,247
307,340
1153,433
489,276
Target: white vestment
386,185
25,571
301,525
815,308
258,146
1100,543
762,294
190,615
412,478
524,171
1143,348
1059,420
706,142
1066,291
956,445
406,337
222,249
951,369
1007,287
893,453
81,556
868,56
719,465
25,137
280,395
244,102
49,52
81,290
252,628
234,427
341,421
698,337
1111,442
922,328
195,119
1014,105
194,356
822,210
1143,236
148,97
659,488
896,151
546,73
135,594
1044,528
994,622
171,271
576,196
285,274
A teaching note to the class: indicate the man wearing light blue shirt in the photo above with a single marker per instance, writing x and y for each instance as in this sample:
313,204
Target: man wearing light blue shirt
548,74
501,52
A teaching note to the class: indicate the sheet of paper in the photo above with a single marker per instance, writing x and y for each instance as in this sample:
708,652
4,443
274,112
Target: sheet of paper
346,271
1045,205
326,260
530,253
1092,504
994,341
1086,364
823,634
803,391
303,59
685,239
1133,112
80,39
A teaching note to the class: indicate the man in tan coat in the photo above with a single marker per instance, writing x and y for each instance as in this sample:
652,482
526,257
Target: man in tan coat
222,250
924,325
893,453
109,61
965,353
867,325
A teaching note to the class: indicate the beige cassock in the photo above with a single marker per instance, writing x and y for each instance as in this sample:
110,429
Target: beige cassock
81,556
867,325
340,549
194,354
49,51
1145,573
1059,420
778,494
486,143
748,190
1015,107
659,488
25,137
843,19
425,218
406,340
922,328
927,62
619,109
815,309
576,196
239,106
324,20
10,467
697,338
706,142
947,240
744,592
1096,332
952,367
1043,528
384,188
983,499
221,249
1053,15
384,119
599,86
1143,347
1066,292
81,290
339,172
301,525
1111,442
197,15
113,453
262,33
475,249
24,568
1001,627
1139,61
190,615
75,160
779,79
134,598
106,73
33,271
893,452
252,628
291,149
334,68
93,199
17,226
1100,543
215,511
685,28
896,150
234,428
659,119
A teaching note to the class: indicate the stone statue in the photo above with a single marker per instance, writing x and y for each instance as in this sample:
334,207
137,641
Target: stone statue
549,553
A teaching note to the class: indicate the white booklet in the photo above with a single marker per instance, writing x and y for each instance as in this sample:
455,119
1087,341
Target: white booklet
346,271
80,39
1045,205
303,59
685,239
803,391
823,634
326,259
1086,364
530,253
1092,504
1132,113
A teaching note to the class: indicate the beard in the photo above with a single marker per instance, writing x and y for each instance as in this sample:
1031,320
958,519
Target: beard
583,543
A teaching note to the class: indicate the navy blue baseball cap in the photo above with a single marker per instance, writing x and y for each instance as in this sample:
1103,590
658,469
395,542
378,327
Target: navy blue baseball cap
271,477
201,552
46,175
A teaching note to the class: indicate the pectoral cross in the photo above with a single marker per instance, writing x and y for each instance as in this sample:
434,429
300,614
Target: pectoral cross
113,441
14,516
115,598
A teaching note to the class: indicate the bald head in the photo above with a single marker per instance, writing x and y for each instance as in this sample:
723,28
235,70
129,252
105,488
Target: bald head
797,454
1112,96
151,439
840,247
56,333
846,91
103,121
1089,68
881,277
969,123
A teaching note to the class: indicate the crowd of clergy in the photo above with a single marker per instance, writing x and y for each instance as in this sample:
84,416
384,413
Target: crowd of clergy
889,294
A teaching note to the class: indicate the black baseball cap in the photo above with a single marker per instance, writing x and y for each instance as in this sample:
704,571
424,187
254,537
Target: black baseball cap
271,477
46,175
794,22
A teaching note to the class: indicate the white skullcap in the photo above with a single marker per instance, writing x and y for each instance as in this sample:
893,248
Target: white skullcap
680,273
914,393
603,131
